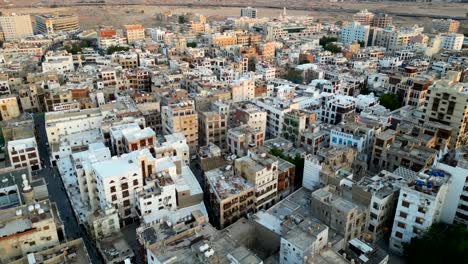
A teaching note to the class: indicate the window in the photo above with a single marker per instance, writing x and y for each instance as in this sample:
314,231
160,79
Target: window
126,203
403,214
124,186
399,235
112,189
125,194
405,204
135,182
114,197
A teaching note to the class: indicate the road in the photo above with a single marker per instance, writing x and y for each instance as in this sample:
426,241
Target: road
58,195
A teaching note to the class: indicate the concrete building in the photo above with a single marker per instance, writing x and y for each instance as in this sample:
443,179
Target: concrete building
134,32
420,205
23,153
248,114
452,41
230,196
355,32
295,123
261,171
27,229
60,62
16,26
446,104
341,215
243,90
337,109
213,128
364,17
181,118
55,23
382,20
392,38
248,12
241,138
9,108
445,25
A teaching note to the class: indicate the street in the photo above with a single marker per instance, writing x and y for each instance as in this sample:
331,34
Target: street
58,195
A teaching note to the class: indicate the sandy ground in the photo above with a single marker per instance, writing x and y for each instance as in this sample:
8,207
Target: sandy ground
92,16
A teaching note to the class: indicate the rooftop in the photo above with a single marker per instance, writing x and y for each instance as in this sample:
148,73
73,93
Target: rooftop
225,183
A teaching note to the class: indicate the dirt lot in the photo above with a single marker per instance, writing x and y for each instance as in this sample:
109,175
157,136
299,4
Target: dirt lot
91,16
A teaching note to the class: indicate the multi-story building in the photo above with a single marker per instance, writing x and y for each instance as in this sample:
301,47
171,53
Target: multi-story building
16,26
23,153
55,23
382,20
452,41
181,117
249,114
134,32
260,169
276,110
212,129
364,17
118,179
248,12
27,229
392,38
419,206
445,25
341,215
355,32
241,138
243,90
231,196
295,123
9,108
446,104
337,109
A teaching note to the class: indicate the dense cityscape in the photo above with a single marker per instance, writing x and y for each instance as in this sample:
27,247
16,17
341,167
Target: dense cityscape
245,140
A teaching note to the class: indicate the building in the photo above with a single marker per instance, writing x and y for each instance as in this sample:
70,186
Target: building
392,38
16,26
364,17
355,32
295,123
241,138
343,216
249,114
27,229
230,196
134,32
213,128
181,118
9,108
55,23
445,25
23,153
419,206
243,90
248,12
452,41
260,169
446,104
382,20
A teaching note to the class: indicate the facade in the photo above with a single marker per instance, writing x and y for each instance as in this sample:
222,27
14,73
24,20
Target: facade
23,153
446,104
51,24
213,129
364,17
452,41
9,107
241,138
445,25
16,26
181,118
134,33
248,12
243,90
355,32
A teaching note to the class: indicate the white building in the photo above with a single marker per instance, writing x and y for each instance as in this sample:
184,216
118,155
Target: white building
23,153
175,145
355,32
311,177
242,90
420,205
275,113
248,12
60,63
16,26
452,41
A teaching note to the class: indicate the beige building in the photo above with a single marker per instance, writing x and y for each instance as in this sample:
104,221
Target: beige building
230,196
181,117
55,23
446,103
16,26
134,32
9,108
240,139
26,229
212,129
343,216
364,17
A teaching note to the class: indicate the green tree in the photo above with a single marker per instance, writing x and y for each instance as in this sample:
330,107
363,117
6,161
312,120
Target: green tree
325,40
191,45
182,20
294,76
113,49
332,48
390,101
440,244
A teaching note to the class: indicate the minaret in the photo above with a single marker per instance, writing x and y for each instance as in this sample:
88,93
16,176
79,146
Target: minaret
28,194
284,11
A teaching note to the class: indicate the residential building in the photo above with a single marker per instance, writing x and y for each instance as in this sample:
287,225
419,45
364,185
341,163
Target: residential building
181,118
355,32
243,90
213,129
446,104
16,26
56,23
9,108
24,153
248,12
452,41
243,137
445,25
364,17
134,32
